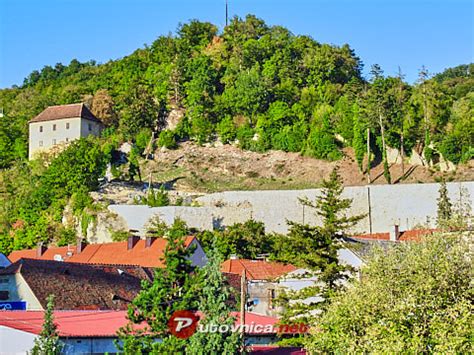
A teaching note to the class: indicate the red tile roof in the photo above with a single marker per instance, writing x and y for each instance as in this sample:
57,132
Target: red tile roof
81,286
99,323
65,111
106,253
411,235
257,269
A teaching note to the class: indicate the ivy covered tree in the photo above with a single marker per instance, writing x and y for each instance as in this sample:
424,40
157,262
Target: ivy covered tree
214,304
173,288
48,341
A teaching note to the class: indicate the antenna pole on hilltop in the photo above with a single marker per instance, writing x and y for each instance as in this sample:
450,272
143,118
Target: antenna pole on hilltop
226,13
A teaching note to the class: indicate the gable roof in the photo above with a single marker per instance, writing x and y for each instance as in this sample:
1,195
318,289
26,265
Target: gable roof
65,111
410,235
81,286
106,253
257,269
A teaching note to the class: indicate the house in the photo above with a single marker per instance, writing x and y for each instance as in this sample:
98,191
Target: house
266,280
94,332
58,125
134,251
27,283
395,235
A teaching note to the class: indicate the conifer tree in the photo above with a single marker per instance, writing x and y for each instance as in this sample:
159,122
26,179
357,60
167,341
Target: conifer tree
48,340
173,289
214,303
445,212
315,249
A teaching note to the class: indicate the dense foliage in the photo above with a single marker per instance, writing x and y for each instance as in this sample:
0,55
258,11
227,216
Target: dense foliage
256,83
48,341
415,298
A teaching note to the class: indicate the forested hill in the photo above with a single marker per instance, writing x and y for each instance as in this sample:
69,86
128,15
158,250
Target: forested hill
259,84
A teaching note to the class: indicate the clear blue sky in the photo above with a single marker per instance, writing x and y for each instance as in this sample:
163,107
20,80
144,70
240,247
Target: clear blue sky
409,34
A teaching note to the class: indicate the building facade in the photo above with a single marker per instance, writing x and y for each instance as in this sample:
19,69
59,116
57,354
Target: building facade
56,126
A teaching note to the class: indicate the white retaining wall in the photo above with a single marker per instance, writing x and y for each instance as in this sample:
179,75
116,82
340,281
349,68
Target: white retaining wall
385,205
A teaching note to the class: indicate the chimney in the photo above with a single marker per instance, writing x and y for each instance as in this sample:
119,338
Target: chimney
395,233
132,241
40,249
149,241
80,245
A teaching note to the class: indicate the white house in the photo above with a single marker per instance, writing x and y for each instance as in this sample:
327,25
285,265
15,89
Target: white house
59,125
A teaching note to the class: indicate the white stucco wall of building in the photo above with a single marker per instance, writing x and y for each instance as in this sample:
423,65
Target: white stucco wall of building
13,341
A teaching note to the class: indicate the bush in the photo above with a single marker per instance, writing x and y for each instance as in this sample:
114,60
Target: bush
226,129
167,139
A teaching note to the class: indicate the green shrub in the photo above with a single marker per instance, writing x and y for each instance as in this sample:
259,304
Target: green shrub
167,139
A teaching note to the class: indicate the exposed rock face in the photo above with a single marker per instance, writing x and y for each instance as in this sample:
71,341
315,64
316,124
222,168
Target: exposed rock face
173,118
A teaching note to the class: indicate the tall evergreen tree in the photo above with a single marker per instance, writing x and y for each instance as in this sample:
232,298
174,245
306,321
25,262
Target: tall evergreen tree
445,210
48,340
316,250
173,288
214,303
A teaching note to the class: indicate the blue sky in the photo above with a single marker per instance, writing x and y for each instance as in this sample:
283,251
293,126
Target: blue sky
409,34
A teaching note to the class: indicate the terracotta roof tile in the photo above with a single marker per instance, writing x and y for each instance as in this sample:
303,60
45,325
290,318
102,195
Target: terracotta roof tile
411,235
257,269
80,286
106,253
65,111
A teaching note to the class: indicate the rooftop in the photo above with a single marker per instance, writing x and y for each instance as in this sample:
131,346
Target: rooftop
106,253
257,269
65,111
99,323
410,235
81,286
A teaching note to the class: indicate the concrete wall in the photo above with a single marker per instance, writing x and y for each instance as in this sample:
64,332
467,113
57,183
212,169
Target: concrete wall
43,141
89,345
407,205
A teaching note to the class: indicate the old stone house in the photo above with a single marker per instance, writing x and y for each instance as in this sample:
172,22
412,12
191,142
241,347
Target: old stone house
59,125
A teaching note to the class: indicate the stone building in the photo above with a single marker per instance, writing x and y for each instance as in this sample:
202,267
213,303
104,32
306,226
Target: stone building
59,125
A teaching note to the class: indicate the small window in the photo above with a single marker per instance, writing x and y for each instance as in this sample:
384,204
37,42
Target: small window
4,280
54,127
41,128
4,295
67,125
40,143
67,139
90,127
54,141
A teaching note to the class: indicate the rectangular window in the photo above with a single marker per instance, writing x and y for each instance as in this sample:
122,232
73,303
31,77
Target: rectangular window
54,141
67,125
67,139
54,127
4,295
90,127
4,280
41,128
40,143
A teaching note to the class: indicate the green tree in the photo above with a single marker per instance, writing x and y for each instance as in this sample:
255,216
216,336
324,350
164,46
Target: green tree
214,304
444,212
316,250
358,142
173,288
412,298
48,340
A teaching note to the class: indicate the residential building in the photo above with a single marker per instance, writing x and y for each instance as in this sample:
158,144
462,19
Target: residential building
59,125
27,283
147,252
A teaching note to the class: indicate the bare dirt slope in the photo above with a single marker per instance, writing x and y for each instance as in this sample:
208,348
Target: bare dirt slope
210,169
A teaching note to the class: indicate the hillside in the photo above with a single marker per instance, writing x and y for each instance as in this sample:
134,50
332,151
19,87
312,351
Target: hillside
195,168
282,109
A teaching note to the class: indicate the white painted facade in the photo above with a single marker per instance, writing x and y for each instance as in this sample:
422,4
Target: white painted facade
59,132
18,290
